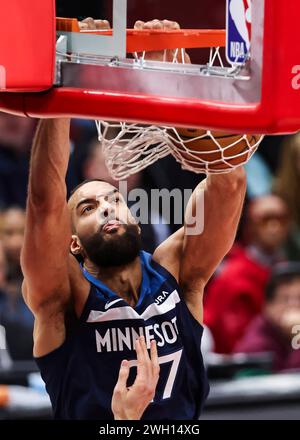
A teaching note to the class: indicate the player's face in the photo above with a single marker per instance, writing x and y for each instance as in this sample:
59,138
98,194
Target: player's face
106,231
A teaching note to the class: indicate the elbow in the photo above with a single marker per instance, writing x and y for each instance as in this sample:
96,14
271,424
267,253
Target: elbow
237,179
239,176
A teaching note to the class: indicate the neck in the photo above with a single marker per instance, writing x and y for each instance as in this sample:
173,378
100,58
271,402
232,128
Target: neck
124,280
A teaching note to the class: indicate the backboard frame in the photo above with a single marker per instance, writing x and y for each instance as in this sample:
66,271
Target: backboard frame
266,102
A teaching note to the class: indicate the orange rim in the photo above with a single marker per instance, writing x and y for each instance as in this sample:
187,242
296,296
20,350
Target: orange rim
139,40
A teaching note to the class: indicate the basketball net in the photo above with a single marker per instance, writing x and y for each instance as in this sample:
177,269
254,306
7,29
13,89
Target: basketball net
129,148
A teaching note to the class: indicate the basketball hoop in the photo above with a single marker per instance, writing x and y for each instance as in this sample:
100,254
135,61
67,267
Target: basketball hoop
248,85
136,147
131,147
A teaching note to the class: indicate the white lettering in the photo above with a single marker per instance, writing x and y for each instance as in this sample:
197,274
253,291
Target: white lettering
296,338
116,339
296,78
168,339
161,343
136,335
159,299
237,50
103,341
175,324
116,430
124,338
148,335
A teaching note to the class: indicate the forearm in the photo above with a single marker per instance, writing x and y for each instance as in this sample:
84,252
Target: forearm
218,202
222,190
49,162
44,256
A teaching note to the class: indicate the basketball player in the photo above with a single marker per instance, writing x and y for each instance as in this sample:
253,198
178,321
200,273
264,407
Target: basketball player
89,315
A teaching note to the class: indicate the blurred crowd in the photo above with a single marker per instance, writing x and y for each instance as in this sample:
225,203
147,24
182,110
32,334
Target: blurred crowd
252,303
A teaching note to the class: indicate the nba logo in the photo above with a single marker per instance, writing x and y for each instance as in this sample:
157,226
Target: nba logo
238,38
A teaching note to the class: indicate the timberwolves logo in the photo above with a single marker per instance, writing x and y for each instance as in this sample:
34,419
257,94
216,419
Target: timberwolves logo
238,31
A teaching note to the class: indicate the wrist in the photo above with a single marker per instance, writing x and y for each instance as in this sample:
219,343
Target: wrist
233,180
125,416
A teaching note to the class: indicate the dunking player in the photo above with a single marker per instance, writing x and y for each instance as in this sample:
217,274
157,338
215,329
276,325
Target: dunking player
88,316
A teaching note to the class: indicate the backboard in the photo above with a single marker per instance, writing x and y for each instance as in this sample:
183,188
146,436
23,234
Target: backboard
252,86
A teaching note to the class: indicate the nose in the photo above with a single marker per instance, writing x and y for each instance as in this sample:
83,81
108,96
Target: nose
105,210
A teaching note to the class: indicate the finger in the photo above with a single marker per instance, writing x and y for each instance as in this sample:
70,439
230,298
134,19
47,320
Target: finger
151,24
123,375
157,24
170,24
154,360
141,360
83,26
147,359
102,24
90,22
139,24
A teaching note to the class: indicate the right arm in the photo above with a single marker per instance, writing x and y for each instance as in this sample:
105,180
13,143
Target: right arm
45,256
130,403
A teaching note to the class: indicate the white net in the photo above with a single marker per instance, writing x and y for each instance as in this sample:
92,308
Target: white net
131,147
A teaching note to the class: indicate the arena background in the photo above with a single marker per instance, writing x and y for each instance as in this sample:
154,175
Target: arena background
242,386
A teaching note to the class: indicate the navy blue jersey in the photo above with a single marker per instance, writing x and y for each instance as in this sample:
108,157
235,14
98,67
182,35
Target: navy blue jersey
81,374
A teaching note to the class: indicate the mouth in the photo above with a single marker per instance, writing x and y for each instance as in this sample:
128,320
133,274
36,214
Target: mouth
111,226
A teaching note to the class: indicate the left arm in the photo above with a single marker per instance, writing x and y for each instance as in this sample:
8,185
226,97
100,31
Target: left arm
192,259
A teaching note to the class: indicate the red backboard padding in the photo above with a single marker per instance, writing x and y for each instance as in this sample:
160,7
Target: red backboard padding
27,45
276,111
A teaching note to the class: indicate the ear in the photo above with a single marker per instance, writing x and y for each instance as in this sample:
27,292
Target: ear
75,245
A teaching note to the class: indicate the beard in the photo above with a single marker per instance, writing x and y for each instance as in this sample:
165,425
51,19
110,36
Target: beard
116,250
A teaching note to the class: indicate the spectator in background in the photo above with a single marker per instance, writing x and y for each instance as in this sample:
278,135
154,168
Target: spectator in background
286,185
94,168
15,142
14,314
3,271
272,331
12,233
236,295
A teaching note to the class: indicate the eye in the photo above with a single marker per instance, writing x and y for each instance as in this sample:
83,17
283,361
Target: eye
87,209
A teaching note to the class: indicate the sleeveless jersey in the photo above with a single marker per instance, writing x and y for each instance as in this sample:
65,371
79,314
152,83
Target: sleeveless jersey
81,374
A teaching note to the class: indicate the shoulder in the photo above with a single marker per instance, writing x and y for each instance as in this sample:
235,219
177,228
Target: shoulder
79,289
